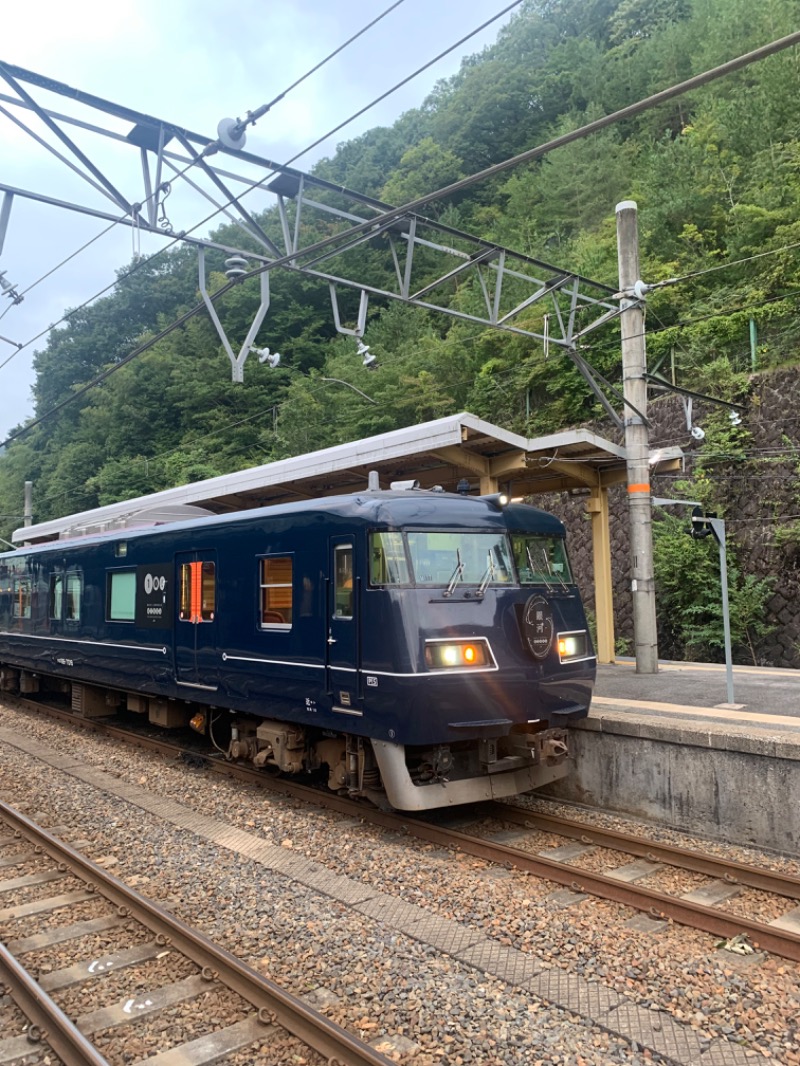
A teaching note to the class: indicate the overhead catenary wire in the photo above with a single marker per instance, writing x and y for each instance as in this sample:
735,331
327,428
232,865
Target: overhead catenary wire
681,278
67,259
251,118
412,206
178,238
535,153
406,80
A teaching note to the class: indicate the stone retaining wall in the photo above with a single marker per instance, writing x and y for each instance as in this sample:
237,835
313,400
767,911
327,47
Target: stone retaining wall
760,501
687,775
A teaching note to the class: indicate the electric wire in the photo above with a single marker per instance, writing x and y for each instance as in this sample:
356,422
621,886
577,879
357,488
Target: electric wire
406,80
52,270
388,216
253,116
200,306
723,266
535,153
138,265
724,313
185,233
262,110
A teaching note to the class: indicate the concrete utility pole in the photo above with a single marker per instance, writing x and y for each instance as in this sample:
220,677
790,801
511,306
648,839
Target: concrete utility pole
637,441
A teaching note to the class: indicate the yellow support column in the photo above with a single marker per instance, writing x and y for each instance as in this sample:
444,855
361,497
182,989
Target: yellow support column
489,485
597,506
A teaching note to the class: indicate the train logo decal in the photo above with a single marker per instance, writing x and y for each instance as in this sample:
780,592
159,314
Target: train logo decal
538,626
154,599
154,584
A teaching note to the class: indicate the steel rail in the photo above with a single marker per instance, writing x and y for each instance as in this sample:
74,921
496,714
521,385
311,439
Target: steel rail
783,943
274,1004
734,873
656,904
49,1024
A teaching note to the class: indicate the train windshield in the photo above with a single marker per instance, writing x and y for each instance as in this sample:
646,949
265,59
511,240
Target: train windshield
451,558
540,560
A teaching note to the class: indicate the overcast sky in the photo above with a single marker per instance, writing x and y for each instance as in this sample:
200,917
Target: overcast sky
192,63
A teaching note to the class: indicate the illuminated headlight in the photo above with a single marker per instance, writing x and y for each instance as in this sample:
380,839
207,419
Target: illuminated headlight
572,646
445,655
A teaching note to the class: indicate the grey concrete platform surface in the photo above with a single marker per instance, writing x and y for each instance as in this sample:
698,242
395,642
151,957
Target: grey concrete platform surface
756,689
669,748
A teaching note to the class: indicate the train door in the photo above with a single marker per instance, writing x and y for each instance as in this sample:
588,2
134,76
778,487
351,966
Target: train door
343,628
196,656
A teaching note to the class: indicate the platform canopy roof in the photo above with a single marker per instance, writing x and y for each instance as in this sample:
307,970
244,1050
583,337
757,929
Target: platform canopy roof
442,452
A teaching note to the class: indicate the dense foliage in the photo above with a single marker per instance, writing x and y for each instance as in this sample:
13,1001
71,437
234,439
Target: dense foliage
717,178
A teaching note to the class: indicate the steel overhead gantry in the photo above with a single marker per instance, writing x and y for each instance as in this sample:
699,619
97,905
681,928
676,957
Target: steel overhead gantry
424,257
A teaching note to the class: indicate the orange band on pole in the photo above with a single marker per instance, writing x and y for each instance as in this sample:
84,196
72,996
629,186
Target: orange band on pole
639,488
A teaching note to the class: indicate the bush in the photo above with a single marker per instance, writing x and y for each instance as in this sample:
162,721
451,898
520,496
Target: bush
689,597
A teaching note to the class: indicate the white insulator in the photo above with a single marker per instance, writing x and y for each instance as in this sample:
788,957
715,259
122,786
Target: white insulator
231,134
236,266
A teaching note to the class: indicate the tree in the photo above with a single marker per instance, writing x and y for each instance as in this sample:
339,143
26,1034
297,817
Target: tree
423,168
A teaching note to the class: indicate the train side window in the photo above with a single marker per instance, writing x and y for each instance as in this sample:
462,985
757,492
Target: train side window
121,596
208,592
185,596
74,585
276,592
22,597
387,559
197,592
56,596
343,581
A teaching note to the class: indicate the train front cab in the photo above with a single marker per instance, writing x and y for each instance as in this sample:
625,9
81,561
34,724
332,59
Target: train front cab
495,661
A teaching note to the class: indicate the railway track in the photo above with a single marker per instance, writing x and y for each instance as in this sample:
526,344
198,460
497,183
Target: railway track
701,909
136,932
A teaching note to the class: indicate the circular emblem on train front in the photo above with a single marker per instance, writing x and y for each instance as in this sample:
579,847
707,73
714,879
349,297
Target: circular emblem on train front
538,626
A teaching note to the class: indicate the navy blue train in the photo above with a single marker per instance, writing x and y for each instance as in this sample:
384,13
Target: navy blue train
428,649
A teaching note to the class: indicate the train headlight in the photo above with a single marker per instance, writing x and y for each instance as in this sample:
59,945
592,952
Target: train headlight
447,654
572,646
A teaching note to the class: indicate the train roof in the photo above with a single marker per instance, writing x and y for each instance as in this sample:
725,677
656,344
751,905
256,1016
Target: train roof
445,451
402,508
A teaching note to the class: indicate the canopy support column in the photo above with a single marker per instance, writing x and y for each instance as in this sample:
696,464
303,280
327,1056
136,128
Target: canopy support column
597,507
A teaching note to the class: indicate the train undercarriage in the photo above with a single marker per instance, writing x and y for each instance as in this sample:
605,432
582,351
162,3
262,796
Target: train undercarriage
385,773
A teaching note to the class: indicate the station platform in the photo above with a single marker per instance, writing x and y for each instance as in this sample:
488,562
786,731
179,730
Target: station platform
700,690
668,747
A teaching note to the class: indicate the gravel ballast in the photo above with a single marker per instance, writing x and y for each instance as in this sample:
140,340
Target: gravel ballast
383,981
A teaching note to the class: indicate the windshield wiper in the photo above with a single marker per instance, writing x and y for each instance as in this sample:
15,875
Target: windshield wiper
532,565
488,574
456,577
553,573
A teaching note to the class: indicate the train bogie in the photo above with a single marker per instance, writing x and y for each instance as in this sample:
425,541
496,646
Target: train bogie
426,649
